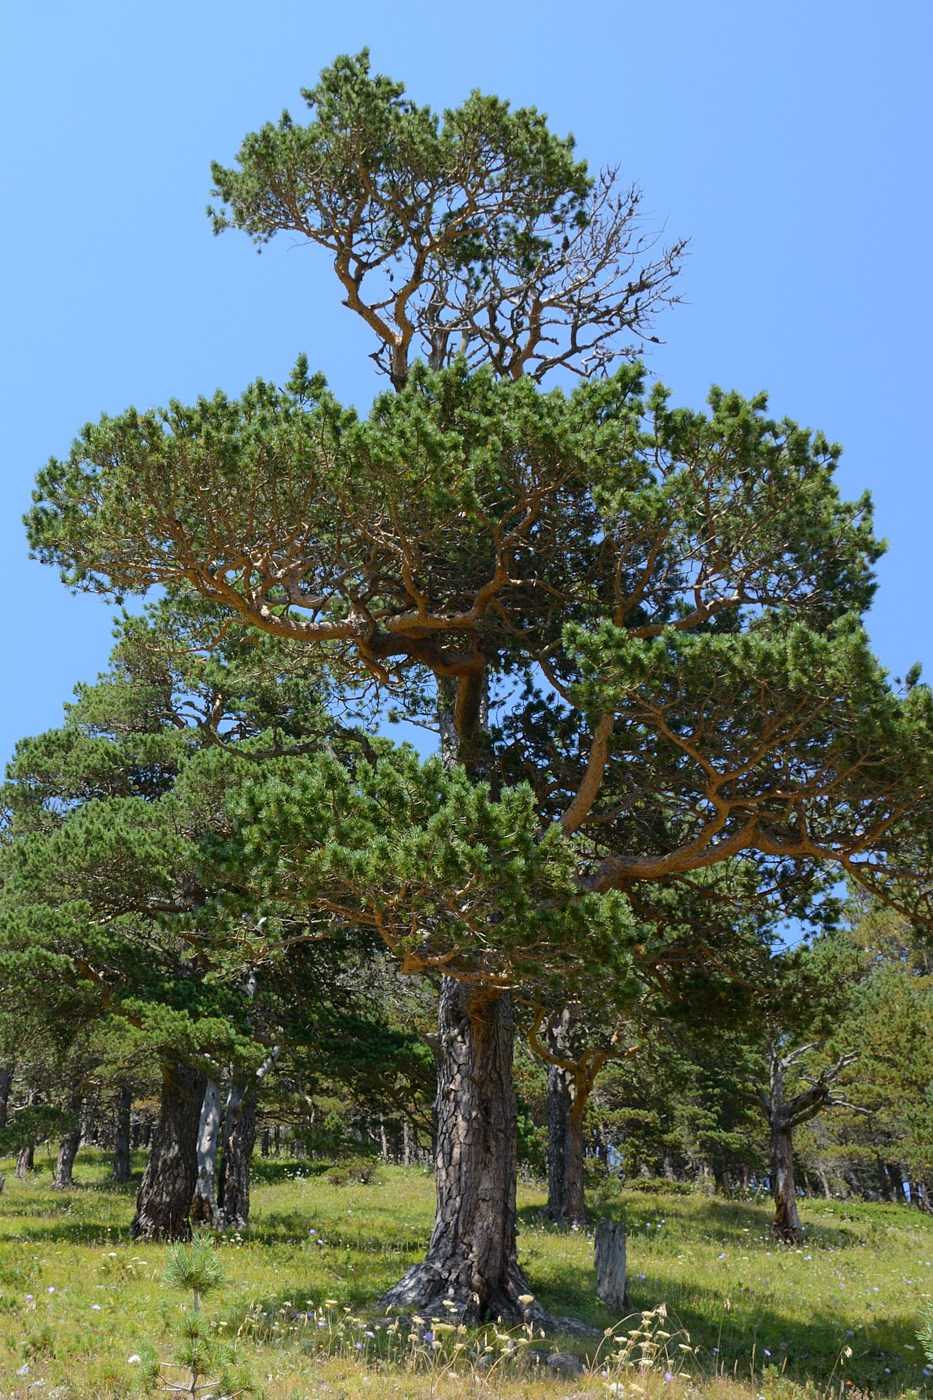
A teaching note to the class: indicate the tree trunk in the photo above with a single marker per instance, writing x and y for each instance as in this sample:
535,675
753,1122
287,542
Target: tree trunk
721,1177
895,1176
239,1141
68,1150
204,1209
6,1079
787,1226
566,1101
472,1258
121,1136
24,1161
884,1183
164,1199
611,1284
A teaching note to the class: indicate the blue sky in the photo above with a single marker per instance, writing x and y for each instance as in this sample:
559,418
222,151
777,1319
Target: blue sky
789,142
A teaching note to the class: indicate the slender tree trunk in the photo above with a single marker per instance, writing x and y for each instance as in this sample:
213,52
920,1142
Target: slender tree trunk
25,1157
239,1141
204,1209
884,1183
566,1101
472,1259
68,1150
787,1226
121,1136
895,1175
164,1200
6,1079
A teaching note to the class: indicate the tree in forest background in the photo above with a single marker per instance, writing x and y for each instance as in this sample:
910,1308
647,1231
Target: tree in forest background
886,1020
634,627
105,879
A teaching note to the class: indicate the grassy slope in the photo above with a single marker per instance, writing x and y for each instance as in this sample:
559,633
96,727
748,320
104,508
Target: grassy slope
78,1299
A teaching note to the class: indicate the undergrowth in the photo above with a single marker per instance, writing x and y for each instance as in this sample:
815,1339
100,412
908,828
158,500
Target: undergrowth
716,1309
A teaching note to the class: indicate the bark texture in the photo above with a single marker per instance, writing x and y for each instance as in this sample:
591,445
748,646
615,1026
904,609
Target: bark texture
239,1140
164,1200
611,1285
783,1116
121,1136
204,1209
567,1094
472,1259
787,1225
24,1161
68,1151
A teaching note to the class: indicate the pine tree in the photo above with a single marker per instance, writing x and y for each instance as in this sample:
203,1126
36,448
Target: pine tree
636,626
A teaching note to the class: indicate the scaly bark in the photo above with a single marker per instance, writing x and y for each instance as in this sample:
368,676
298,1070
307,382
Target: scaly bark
472,1260
164,1200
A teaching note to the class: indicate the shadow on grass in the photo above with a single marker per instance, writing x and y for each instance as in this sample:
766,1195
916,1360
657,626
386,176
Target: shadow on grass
754,1344
86,1232
722,1221
270,1172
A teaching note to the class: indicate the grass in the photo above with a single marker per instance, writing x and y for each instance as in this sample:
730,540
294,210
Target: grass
79,1300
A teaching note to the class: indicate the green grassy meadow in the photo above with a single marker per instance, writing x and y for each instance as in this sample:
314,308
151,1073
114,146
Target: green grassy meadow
86,1312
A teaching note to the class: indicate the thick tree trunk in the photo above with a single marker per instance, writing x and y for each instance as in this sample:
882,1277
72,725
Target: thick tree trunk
164,1199
204,1209
566,1101
472,1259
121,1136
787,1226
68,1150
239,1141
24,1161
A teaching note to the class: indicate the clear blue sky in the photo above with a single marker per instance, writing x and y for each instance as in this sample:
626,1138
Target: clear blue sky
789,141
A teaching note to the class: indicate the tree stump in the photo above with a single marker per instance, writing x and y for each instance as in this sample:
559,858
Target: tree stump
610,1265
